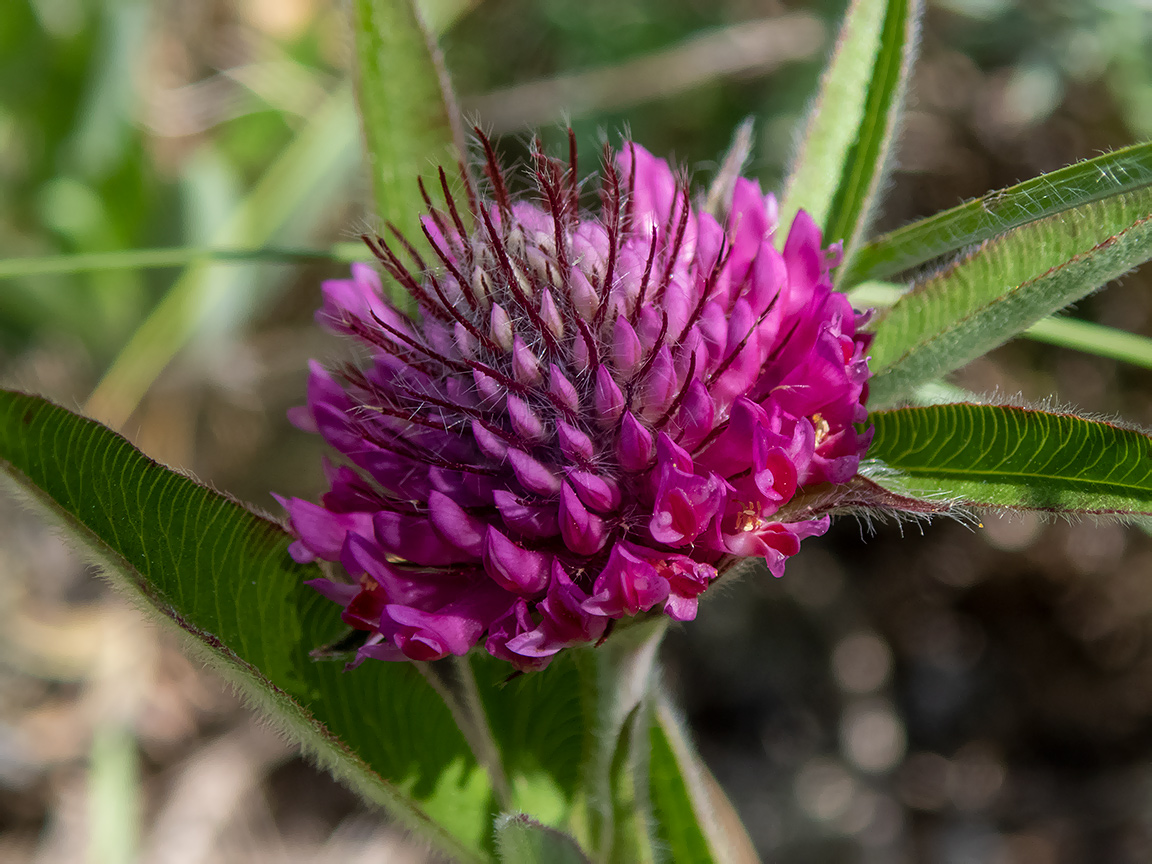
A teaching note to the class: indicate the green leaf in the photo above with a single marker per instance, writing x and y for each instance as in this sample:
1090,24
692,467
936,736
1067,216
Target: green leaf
974,222
1004,287
632,841
542,723
521,840
224,576
693,820
867,164
1072,333
847,142
1003,456
678,823
408,112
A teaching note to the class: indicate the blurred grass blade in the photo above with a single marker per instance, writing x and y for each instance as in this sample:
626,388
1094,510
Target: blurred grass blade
408,113
1063,332
693,820
756,47
103,132
976,221
1004,287
113,794
841,156
321,151
1094,339
1001,456
174,256
521,840
223,575
867,164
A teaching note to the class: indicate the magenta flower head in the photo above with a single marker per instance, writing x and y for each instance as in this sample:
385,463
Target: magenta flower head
593,417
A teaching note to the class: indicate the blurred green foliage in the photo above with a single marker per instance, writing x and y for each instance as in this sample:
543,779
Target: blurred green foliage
132,124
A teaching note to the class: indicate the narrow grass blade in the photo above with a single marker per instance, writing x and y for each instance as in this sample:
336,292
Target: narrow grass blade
847,141
976,221
175,256
1093,339
114,794
749,48
1003,288
1002,456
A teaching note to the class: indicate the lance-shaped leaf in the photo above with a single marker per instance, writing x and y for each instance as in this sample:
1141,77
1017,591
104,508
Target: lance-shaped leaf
632,840
866,168
1072,333
976,221
1004,287
223,575
692,819
1021,458
847,143
409,115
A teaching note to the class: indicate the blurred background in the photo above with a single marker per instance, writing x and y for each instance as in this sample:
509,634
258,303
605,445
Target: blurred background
950,694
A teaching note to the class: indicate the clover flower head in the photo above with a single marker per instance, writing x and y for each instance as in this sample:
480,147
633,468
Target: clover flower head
592,417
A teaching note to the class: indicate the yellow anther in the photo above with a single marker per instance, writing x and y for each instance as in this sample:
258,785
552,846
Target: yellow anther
822,428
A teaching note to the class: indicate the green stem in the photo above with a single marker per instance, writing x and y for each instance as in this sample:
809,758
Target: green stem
488,749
